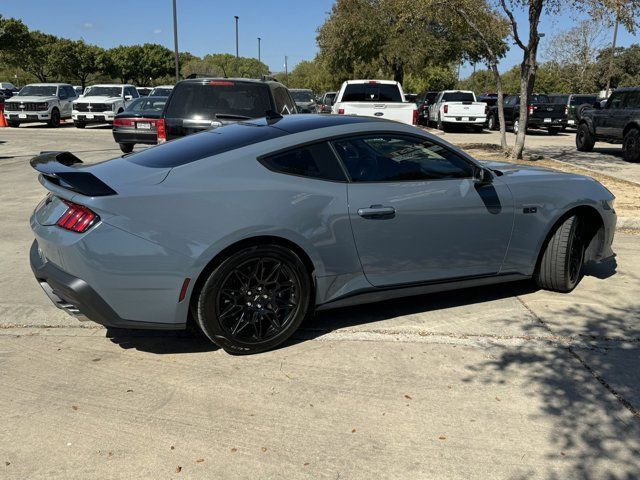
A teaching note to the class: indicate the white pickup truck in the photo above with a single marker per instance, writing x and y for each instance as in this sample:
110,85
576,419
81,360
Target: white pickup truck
375,98
459,107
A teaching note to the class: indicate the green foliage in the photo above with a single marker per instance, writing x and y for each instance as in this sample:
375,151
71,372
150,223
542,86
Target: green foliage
14,40
223,64
311,74
138,63
436,77
77,61
36,58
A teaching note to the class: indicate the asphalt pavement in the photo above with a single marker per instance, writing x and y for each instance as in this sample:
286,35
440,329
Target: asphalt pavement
494,382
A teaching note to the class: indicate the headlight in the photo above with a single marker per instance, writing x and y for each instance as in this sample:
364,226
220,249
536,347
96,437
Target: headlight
609,204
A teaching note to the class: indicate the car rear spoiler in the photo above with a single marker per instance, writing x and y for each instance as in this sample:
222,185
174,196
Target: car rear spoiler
59,168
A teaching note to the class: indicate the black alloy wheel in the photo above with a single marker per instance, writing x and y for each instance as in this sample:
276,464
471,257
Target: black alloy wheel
255,299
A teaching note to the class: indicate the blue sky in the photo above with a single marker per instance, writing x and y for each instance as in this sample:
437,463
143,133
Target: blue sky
287,27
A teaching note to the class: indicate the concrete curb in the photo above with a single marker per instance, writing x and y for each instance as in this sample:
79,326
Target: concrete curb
629,223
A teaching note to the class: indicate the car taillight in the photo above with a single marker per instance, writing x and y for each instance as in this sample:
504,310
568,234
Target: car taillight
162,131
531,109
77,218
446,109
122,122
415,116
341,111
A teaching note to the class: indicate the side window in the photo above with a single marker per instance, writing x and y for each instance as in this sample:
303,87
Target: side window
70,92
291,105
134,92
314,161
615,102
633,100
62,93
283,101
390,158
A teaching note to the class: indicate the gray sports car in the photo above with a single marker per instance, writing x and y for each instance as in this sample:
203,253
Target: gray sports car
246,229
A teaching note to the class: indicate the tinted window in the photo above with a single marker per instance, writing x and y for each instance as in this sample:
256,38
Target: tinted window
161,92
457,97
371,92
284,103
302,95
616,100
104,91
582,99
206,100
328,98
388,158
561,99
539,99
315,161
38,91
205,144
633,100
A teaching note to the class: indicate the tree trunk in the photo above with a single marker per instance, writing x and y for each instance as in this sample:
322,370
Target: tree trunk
503,128
398,73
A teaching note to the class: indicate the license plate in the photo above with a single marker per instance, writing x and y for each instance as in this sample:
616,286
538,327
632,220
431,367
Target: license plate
88,116
22,115
143,125
571,122
465,119
547,120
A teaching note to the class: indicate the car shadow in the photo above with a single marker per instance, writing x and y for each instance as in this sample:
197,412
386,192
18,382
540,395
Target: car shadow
161,342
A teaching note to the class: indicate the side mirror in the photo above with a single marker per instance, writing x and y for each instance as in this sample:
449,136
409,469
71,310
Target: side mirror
482,177
128,97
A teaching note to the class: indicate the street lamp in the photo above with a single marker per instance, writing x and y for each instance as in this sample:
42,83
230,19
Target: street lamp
236,17
259,39
175,41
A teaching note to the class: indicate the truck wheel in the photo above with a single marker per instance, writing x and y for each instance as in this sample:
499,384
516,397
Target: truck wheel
516,126
553,131
631,145
560,268
440,124
492,123
478,128
13,124
54,122
580,110
126,147
584,139
79,124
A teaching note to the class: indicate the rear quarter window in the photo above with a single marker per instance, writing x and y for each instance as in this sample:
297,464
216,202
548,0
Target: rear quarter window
313,161
458,97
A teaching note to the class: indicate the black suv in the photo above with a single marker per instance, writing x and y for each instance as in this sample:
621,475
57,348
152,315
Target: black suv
617,122
201,103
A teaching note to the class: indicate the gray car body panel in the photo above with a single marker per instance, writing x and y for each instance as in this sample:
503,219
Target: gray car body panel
168,224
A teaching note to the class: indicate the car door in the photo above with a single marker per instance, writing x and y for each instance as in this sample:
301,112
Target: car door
434,108
418,215
508,106
632,106
66,104
610,117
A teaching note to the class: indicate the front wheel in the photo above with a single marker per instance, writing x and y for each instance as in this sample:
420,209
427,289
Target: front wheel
560,268
584,138
440,124
631,145
255,299
126,147
13,124
54,121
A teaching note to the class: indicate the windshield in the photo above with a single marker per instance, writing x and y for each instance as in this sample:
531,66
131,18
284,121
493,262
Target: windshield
161,92
104,92
458,97
38,91
561,99
302,96
371,92
581,99
219,98
147,104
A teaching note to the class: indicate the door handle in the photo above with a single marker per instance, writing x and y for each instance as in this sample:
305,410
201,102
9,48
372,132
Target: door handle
377,211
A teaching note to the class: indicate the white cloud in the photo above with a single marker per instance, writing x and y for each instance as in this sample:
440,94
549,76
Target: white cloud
87,25
157,30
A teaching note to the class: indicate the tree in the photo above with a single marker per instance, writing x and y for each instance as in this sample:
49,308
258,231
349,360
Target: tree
36,57
14,39
76,60
225,65
313,75
139,63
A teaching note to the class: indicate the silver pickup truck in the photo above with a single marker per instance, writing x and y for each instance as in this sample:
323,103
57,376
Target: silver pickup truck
375,98
457,107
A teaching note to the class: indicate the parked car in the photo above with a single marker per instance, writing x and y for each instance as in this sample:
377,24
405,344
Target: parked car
325,102
101,103
617,122
305,99
575,105
541,113
41,102
201,103
375,98
252,226
138,123
79,90
457,107
144,91
161,91
410,97
423,101
9,89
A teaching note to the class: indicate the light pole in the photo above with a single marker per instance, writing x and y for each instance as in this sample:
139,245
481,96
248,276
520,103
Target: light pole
613,52
259,39
286,70
236,17
175,40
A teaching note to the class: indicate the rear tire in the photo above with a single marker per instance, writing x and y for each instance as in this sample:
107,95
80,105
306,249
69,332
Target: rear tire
631,146
584,139
440,125
255,299
560,268
553,131
13,124
492,123
126,147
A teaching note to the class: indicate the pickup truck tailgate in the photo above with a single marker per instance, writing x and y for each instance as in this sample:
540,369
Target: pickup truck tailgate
547,110
465,109
398,111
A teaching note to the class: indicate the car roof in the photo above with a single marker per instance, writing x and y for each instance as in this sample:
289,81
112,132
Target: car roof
112,85
305,122
228,79
626,89
48,84
359,82
163,86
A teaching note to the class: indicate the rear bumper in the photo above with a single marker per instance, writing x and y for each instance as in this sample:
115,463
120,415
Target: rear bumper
479,120
77,298
135,136
540,123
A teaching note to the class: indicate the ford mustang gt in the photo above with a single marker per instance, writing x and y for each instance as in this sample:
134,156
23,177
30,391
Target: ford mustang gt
246,229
